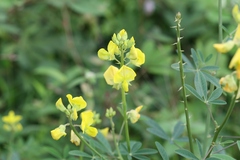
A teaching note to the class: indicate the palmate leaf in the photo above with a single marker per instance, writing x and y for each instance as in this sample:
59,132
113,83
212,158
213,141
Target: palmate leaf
80,154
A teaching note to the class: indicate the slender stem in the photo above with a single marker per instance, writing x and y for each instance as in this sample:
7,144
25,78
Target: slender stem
178,21
125,118
219,128
114,139
83,140
206,132
124,105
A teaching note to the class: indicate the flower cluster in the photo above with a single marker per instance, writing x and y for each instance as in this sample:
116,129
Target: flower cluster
11,122
121,49
228,82
75,104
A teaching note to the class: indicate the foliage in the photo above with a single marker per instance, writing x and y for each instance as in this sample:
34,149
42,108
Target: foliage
49,49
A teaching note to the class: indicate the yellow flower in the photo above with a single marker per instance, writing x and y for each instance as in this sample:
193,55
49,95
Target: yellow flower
134,115
112,49
136,56
77,102
236,38
57,133
109,76
228,83
11,118
224,47
235,62
60,105
105,131
122,35
87,121
12,122
236,13
124,76
74,138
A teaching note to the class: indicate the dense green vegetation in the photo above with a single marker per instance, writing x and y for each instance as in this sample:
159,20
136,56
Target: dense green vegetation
48,48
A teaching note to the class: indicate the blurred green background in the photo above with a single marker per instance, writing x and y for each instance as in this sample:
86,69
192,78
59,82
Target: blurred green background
48,48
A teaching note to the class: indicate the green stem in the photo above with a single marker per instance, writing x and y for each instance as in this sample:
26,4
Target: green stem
124,105
114,139
206,133
83,140
125,118
219,128
178,20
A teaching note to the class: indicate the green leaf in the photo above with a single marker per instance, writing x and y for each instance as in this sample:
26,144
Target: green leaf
199,148
222,157
135,146
193,91
227,142
145,151
141,157
238,144
209,68
155,128
209,57
53,152
212,158
211,79
80,154
104,142
162,151
195,57
186,154
200,84
217,102
178,130
187,62
215,94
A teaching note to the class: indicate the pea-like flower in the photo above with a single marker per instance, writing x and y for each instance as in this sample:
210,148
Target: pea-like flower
11,122
134,115
57,133
235,62
109,76
136,56
74,138
124,76
87,121
228,83
109,54
75,104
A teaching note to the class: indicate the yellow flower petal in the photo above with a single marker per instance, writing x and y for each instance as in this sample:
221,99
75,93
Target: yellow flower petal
60,105
57,133
134,115
235,60
87,121
123,76
236,13
236,38
77,102
113,49
224,47
228,83
109,74
122,35
103,54
91,131
104,131
74,138
11,118
136,56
